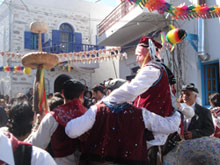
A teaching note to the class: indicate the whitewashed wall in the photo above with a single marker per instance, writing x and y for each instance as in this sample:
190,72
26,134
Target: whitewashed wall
82,15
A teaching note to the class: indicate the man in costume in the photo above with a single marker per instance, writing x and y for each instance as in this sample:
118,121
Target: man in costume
150,88
116,132
17,152
51,130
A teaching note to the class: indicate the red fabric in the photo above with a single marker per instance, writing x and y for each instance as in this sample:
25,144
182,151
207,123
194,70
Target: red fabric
145,41
117,137
1,162
217,130
43,103
61,144
173,89
14,141
64,113
157,98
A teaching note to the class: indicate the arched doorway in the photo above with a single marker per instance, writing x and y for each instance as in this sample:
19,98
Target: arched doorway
58,83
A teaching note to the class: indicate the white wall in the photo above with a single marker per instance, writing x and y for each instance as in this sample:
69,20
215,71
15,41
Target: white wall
82,15
127,65
105,71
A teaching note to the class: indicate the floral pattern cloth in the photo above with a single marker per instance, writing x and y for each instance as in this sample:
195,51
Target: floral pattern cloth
200,151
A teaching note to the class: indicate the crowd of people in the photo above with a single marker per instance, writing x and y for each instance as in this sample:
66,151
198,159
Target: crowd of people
117,122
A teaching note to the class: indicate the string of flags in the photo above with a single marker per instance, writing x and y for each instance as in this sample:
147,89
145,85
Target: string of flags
67,59
79,57
179,12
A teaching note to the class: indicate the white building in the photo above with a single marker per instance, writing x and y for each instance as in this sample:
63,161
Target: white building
127,23
72,27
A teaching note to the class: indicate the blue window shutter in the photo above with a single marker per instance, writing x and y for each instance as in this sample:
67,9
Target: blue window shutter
78,38
78,41
46,46
28,40
42,38
56,41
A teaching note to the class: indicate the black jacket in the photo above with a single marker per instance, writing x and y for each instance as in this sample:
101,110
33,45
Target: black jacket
202,123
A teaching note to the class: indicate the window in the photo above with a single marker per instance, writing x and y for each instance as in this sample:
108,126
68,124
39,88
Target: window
31,40
210,80
66,40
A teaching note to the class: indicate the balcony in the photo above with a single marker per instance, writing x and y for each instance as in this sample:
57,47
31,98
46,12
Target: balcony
67,47
72,47
126,23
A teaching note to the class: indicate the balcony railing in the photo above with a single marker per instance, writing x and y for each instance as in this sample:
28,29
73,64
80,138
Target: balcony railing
118,13
66,47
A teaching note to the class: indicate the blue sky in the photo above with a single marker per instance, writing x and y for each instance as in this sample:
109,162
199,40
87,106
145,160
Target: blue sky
113,3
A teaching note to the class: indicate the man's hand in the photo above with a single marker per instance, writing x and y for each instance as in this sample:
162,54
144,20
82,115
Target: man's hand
187,135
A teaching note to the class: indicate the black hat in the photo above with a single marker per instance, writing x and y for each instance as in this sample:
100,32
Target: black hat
114,84
190,87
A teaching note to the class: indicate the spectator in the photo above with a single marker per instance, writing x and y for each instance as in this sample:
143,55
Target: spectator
6,99
50,95
20,119
3,103
30,93
58,86
54,102
58,94
98,92
201,124
3,117
111,85
214,100
87,99
21,97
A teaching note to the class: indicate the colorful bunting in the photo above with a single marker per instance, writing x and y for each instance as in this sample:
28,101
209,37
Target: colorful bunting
11,68
179,12
91,56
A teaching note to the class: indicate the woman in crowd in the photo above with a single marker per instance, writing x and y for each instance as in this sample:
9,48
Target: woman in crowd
20,119
214,101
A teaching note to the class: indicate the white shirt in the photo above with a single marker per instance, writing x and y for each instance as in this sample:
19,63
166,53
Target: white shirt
6,153
41,157
130,90
38,155
188,120
161,126
42,137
